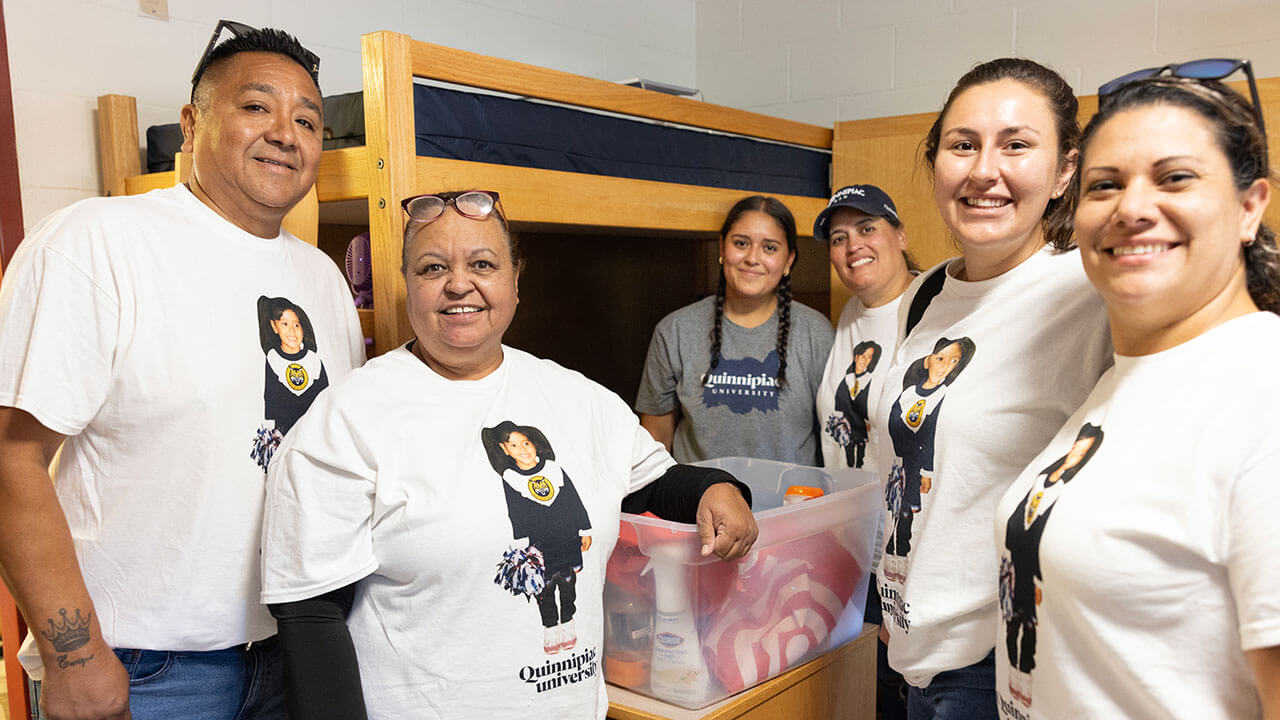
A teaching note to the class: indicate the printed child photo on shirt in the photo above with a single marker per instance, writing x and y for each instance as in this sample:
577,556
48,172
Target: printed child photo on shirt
548,516
1020,576
848,426
913,421
294,371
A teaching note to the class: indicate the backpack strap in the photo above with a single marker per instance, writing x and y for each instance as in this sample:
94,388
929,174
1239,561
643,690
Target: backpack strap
929,289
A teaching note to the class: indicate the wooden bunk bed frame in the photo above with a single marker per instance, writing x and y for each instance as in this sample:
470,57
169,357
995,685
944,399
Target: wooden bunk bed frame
883,151
532,198
387,169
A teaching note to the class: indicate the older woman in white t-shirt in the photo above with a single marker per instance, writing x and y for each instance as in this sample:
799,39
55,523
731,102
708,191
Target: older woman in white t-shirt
444,518
1143,581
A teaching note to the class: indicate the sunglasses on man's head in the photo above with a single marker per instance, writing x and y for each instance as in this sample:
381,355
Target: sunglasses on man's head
475,204
237,29
1206,69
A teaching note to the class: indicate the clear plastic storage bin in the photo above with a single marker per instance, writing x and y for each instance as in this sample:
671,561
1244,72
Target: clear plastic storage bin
691,630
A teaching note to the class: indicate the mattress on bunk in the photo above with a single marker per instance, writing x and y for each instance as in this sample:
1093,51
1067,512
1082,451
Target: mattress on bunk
343,127
505,131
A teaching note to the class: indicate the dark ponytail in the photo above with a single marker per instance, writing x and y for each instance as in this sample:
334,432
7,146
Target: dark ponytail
1262,270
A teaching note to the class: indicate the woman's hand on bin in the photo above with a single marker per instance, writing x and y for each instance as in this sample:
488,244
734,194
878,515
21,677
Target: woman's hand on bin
725,524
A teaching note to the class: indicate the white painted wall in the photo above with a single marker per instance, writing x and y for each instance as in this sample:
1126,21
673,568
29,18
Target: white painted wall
823,61
818,61
64,53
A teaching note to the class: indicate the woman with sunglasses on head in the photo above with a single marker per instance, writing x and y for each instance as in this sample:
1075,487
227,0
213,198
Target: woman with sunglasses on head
735,374
1153,581
394,499
1031,336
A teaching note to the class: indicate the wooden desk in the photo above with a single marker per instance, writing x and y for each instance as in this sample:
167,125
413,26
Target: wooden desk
840,685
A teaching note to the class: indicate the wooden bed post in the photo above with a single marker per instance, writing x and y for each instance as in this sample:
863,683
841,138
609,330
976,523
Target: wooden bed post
304,219
388,97
118,141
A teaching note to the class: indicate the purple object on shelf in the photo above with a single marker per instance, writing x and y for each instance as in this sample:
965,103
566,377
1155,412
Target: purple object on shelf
360,270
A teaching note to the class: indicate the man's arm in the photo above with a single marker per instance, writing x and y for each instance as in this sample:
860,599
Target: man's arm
82,678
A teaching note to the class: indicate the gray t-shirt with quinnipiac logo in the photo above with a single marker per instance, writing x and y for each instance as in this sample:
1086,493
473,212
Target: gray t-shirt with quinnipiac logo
740,410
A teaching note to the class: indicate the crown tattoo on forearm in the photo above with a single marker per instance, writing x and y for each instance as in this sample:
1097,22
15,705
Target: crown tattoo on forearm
70,634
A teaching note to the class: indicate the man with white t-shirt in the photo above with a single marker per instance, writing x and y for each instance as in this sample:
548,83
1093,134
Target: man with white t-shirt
130,337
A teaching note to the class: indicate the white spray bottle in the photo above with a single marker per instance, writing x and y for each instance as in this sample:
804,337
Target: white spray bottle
678,672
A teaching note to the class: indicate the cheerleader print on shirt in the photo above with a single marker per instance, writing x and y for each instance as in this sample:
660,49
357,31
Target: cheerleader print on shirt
848,425
294,372
913,421
550,526
1020,577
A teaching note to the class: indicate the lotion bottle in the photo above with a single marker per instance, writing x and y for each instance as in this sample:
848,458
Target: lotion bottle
678,671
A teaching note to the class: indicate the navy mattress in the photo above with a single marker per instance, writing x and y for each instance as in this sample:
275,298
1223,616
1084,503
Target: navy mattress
504,131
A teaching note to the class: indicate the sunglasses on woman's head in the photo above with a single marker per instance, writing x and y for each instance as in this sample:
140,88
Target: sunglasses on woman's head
1206,69
475,204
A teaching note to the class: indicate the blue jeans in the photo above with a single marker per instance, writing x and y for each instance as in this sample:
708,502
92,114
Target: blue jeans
965,694
239,683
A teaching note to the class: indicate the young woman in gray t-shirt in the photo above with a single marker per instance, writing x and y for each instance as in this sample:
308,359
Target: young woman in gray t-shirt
737,373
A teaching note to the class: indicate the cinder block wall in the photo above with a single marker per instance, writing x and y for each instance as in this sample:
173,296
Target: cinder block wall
818,61
823,61
64,53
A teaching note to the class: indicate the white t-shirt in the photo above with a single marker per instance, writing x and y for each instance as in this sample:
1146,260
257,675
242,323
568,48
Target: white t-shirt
1157,558
1033,343
845,396
390,480
131,326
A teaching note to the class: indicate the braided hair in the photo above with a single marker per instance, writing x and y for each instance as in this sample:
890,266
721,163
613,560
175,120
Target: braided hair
779,212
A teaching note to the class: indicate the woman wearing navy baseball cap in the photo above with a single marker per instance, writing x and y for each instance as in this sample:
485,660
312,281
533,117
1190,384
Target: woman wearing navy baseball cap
867,247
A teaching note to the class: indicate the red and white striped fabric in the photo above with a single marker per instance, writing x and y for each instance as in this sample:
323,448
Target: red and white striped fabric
784,608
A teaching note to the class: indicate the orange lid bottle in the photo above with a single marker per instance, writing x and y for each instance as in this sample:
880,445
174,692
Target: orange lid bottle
798,493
